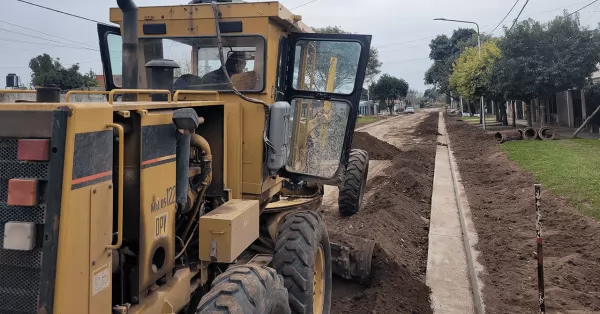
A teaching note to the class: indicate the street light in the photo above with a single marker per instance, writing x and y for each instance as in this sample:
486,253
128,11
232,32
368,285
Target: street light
479,47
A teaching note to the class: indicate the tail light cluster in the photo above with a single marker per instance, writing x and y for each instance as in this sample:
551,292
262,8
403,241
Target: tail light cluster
25,192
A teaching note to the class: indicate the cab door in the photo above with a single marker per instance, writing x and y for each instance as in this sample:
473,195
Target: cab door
111,47
324,81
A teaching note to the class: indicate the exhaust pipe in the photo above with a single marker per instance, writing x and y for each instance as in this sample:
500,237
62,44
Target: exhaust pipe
130,46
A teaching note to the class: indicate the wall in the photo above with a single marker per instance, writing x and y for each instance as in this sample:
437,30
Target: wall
12,97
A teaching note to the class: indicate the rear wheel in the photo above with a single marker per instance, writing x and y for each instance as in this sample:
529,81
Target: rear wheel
355,182
303,258
246,289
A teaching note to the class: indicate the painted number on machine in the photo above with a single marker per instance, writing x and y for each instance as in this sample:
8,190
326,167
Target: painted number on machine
161,225
166,200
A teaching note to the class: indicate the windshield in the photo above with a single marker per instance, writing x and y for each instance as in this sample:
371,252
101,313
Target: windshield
200,67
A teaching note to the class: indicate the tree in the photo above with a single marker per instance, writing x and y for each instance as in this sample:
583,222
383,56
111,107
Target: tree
389,89
444,51
373,65
471,73
542,59
413,97
48,71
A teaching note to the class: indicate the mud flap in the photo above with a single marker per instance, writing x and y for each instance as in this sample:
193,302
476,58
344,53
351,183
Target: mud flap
351,258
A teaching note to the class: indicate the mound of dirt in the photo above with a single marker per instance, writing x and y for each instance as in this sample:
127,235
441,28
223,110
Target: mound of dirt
378,150
396,216
393,290
501,197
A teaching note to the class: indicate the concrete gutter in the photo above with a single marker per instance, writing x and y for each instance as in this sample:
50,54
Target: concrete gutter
468,228
452,270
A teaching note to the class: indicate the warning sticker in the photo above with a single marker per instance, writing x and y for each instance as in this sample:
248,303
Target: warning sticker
101,279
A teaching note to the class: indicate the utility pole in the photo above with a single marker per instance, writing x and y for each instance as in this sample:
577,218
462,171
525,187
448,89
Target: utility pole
479,47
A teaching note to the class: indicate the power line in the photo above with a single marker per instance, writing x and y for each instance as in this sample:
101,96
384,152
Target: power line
523,8
592,14
61,12
42,44
587,5
507,14
37,31
306,3
51,40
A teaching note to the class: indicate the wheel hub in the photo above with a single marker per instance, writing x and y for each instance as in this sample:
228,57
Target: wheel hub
319,282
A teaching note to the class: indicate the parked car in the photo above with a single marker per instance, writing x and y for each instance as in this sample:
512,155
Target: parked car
408,110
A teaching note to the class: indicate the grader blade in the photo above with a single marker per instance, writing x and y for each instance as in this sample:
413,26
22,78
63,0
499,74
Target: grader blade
351,258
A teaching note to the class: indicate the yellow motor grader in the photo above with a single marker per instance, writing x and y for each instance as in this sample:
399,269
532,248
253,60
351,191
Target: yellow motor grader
194,187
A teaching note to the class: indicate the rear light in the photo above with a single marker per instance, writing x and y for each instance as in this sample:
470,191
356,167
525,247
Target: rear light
22,192
19,236
33,150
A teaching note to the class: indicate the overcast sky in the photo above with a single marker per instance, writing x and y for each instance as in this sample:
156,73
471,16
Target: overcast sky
401,29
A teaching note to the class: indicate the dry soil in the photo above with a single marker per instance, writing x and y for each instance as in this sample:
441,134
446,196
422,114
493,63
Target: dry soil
396,216
501,197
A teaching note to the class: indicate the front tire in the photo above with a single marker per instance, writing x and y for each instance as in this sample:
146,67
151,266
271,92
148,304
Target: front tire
355,183
246,289
303,258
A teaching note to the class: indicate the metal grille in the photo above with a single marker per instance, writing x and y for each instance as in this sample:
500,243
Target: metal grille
20,271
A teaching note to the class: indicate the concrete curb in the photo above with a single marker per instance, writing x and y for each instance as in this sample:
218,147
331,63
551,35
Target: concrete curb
466,221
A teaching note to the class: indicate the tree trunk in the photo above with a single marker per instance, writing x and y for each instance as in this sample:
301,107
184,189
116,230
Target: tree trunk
514,113
503,115
498,111
535,110
529,113
472,108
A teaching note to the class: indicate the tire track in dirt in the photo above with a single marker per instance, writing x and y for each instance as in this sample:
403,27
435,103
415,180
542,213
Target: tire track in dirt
395,214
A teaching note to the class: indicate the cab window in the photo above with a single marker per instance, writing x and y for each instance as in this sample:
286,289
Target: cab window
200,67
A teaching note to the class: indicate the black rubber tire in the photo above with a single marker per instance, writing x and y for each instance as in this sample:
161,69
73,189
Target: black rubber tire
298,239
355,182
246,289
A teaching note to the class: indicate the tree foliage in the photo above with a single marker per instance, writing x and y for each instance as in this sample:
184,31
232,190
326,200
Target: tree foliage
49,71
373,65
471,74
444,51
388,89
542,59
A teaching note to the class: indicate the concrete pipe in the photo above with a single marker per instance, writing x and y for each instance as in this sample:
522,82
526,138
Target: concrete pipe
547,133
505,136
530,134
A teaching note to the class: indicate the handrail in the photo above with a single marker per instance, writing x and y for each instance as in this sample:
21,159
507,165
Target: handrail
194,92
17,91
114,92
89,92
120,186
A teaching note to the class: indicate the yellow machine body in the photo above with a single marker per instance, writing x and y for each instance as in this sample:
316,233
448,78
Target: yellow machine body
108,183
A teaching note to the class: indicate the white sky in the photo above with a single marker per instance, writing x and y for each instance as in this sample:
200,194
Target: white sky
401,29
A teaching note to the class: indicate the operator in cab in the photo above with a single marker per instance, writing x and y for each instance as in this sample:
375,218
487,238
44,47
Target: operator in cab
215,80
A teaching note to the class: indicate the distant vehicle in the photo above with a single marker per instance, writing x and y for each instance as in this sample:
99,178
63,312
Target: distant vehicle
408,110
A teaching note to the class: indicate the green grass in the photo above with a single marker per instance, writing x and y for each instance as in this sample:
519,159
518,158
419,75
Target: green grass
569,168
365,120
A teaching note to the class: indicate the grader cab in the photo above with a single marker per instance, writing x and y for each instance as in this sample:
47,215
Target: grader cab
194,187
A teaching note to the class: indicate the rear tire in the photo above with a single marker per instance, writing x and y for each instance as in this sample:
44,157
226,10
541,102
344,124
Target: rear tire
303,258
355,182
246,289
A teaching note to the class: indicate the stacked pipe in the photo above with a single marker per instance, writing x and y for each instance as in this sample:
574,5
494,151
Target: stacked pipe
547,133
530,134
505,136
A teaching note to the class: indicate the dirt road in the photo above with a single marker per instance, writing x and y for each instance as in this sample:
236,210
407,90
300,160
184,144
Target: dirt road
395,214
